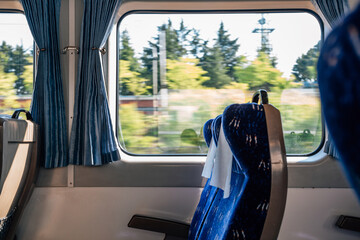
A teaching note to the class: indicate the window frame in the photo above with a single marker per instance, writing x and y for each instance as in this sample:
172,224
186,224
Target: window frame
309,158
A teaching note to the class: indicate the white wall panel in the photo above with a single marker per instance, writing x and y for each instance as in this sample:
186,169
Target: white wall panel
102,213
310,214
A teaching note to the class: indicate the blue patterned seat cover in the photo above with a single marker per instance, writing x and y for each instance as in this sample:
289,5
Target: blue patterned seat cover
211,131
339,85
242,215
215,128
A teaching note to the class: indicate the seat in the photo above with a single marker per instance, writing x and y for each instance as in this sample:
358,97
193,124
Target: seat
256,204
258,185
338,77
175,230
211,134
18,166
207,194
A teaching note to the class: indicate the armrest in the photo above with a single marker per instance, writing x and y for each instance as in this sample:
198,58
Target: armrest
349,223
173,230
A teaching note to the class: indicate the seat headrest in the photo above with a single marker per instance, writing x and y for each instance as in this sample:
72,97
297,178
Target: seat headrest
207,132
245,129
215,128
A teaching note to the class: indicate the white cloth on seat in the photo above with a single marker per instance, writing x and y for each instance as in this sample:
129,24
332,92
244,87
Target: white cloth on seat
209,163
219,164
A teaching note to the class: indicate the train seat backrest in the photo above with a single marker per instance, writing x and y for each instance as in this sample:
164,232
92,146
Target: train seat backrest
207,130
338,77
255,206
215,128
211,132
18,171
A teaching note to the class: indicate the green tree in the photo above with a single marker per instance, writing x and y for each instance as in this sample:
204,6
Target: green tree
176,44
5,51
7,92
220,60
131,82
17,61
147,61
183,34
213,63
184,74
305,68
135,127
196,44
261,74
176,41
7,82
228,49
266,48
127,52
28,76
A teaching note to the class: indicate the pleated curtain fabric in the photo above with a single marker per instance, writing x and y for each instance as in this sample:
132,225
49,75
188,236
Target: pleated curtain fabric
333,10
330,148
338,76
47,107
93,140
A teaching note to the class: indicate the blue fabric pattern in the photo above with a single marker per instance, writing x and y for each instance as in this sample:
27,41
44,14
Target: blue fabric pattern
215,128
47,107
208,132
242,215
209,192
338,76
93,141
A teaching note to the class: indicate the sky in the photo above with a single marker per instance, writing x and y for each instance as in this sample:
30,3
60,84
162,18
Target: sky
294,34
14,30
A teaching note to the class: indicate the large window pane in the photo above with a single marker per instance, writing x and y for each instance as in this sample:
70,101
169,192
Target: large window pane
176,71
16,63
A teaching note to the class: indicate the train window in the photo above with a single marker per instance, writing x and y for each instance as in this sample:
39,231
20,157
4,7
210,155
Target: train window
16,62
177,70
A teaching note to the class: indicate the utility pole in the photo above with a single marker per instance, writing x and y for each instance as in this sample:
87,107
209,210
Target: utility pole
155,87
162,63
155,70
264,32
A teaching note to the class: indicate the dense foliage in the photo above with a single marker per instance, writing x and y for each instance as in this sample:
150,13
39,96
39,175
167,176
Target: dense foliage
219,66
195,68
16,76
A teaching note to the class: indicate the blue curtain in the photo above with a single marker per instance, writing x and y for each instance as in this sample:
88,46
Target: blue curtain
47,108
333,10
93,141
330,148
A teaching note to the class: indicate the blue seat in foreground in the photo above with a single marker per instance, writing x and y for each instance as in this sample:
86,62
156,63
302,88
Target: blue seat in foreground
211,133
339,85
256,204
207,194
258,187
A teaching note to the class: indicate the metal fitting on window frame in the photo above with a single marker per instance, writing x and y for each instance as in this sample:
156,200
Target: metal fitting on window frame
70,48
101,50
